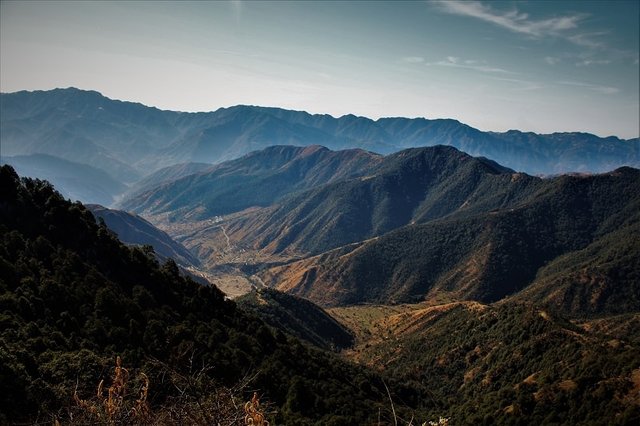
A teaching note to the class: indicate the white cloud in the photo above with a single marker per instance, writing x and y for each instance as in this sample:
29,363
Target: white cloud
521,23
470,64
589,62
521,85
413,59
551,60
587,40
605,90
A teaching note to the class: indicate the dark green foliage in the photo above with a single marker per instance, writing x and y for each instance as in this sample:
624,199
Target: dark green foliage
299,317
72,297
604,277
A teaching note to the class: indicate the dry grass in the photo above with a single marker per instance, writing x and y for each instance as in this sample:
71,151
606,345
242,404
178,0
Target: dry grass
118,406
195,400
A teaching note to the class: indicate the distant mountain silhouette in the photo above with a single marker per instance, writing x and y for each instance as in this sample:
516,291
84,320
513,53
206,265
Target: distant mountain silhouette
77,181
129,140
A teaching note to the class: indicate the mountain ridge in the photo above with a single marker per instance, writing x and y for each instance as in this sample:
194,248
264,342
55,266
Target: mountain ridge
484,256
129,140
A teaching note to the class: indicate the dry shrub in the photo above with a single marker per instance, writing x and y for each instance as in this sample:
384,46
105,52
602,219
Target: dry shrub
253,414
193,399
119,406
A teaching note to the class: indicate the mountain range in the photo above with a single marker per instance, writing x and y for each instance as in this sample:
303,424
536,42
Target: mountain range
395,270
493,254
73,298
130,141
460,287
410,226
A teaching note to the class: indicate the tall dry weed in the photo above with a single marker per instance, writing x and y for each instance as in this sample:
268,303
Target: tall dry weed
191,399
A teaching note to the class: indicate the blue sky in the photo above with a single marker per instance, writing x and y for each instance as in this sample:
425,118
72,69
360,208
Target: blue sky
541,66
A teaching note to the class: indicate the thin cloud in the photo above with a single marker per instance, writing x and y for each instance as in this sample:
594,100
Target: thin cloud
521,85
552,60
521,23
413,59
589,62
587,40
605,90
470,64
237,6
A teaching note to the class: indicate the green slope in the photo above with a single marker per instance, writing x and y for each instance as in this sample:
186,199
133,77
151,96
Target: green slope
602,278
416,185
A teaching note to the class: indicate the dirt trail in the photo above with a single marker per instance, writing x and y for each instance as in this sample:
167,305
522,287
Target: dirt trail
226,236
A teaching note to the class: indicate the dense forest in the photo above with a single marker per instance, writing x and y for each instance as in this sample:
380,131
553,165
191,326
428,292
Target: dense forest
72,298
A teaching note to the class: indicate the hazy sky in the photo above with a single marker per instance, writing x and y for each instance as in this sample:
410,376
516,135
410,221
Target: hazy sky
543,66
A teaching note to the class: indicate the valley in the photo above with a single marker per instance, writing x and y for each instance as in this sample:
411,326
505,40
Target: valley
422,223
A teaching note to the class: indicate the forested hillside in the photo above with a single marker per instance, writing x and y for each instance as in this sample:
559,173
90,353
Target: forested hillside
299,317
486,255
73,297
